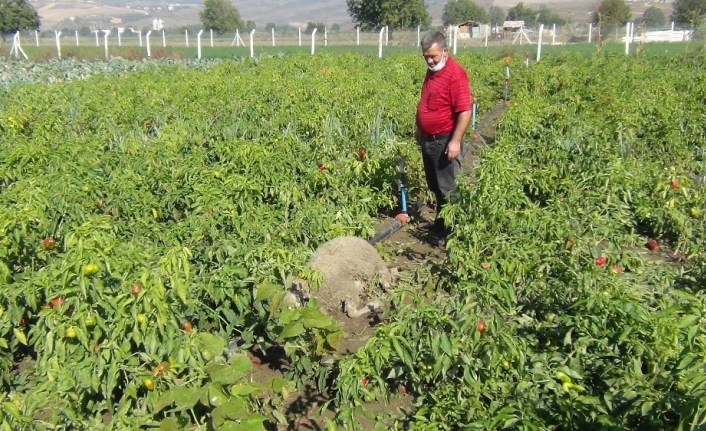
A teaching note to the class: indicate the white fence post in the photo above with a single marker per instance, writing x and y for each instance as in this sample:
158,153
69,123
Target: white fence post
539,42
76,35
313,41
632,32
164,39
357,35
105,42
627,39
16,49
139,34
211,31
325,36
198,44
36,37
252,48
186,34
97,42
455,38
554,34
419,30
590,31
382,31
387,35
487,30
147,42
58,43
300,36
273,36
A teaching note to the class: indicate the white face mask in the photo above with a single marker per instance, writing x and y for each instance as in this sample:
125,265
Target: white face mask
440,65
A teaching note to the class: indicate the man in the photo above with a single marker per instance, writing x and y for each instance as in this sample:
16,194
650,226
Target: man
443,116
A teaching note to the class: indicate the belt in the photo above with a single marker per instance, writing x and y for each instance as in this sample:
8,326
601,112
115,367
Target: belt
437,137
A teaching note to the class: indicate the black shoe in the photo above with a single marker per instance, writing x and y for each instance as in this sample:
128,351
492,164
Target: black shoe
439,228
438,241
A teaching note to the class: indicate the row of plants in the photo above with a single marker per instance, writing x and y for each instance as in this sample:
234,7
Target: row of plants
574,293
148,221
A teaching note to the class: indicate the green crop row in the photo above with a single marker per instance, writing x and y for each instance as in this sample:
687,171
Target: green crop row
574,293
149,218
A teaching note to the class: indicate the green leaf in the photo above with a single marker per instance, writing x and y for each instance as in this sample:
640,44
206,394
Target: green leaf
687,361
165,400
229,373
224,374
243,389
435,342
445,344
13,410
20,336
646,407
266,290
277,383
169,424
292,330
215,395
569,372
333,339
186,398
688,321
233,409
254,422
276,302
315,318
181,290
567,338
213,343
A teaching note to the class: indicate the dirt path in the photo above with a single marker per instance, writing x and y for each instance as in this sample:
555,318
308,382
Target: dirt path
407,249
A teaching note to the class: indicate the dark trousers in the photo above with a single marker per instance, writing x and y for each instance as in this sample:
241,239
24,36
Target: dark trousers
440,172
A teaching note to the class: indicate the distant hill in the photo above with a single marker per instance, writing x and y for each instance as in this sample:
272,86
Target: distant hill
140,13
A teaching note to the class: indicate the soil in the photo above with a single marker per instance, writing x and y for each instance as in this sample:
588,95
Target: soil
406,249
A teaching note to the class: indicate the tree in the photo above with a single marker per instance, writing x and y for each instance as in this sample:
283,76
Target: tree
335,27
690,12
496,15
220,16
397,14
85,31
250,25
549,17
612,13
270,26
522,13
319,26
17,15
654,17
460,11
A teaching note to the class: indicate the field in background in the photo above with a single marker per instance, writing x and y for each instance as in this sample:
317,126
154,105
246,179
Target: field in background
135,52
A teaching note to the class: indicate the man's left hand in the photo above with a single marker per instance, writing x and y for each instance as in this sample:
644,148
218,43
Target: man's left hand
453,149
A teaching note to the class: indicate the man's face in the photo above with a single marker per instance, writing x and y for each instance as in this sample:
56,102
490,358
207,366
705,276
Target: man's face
434,55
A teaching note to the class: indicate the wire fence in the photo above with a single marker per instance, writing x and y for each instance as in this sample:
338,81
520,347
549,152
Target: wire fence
167,42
